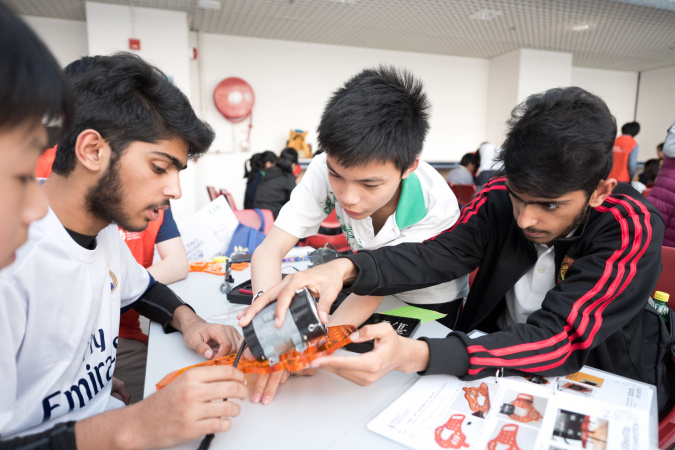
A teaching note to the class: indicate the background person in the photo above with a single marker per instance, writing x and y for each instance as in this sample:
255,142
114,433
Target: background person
662,195
463,173
277,183
132,347
626,153
487,153
254,169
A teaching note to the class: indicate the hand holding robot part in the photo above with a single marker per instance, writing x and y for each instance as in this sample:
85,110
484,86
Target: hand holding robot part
324,281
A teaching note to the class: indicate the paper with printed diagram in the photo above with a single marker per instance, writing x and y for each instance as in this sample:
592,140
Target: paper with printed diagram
590,409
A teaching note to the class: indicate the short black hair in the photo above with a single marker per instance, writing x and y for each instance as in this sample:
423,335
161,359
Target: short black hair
290,154
630,128
558,141
128,100
287,158
32,86
469,158
76,69
257,162
651,170
381,114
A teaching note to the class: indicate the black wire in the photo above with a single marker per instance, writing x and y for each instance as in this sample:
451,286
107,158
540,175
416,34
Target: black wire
238,357
206,442
334,248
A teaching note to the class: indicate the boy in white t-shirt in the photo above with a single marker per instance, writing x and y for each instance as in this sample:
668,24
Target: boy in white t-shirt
132,133
372,131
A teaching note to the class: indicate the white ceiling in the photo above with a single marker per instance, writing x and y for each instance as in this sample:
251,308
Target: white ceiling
631,35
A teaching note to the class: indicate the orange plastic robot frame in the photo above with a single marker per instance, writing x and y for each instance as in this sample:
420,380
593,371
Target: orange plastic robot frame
456,438
292,360
526,402
472,394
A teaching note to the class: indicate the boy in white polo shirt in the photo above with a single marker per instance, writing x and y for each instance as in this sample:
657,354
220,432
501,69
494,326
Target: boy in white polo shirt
372,131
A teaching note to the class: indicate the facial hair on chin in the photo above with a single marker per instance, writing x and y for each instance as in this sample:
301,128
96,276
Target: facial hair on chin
105,200
579,220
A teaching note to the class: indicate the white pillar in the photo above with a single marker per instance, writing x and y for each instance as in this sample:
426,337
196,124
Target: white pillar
516,75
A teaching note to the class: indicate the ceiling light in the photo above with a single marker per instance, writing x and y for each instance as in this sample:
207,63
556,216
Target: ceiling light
485,14
209,4
581,26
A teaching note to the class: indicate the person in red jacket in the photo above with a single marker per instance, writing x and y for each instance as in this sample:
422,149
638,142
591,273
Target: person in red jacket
132,347
44,165
625,153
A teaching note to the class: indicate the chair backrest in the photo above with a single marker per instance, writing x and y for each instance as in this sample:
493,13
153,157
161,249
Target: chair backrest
250,218
213,194
330,221
463,192
230,198
329,232
666,281
338,240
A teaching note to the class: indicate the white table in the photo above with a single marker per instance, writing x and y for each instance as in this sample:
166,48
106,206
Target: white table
323,411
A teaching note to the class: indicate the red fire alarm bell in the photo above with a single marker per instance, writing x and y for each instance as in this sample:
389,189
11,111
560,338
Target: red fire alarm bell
134,44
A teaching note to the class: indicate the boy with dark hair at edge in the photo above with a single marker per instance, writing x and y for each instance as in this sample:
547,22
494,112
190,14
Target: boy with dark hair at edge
133,131
566,258
372,131
132,346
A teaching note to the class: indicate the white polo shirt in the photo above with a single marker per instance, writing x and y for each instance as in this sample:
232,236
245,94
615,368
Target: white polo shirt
59,324
527,295
426,208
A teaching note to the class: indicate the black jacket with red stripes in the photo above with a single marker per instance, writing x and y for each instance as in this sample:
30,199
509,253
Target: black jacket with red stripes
594,315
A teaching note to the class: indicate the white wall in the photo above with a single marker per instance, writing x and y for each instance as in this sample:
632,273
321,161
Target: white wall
67,39
470,97
292,82
163,35
516,75
656,109
616,88
542,70
504,72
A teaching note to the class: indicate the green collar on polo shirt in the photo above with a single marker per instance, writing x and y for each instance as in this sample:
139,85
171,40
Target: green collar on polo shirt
411,206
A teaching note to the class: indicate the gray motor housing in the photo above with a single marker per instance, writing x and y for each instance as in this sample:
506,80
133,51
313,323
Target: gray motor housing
301,325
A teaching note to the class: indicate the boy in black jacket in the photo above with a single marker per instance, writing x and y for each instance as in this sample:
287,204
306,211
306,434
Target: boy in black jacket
566,263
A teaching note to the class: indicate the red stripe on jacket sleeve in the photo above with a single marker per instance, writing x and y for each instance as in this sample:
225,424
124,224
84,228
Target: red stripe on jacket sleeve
561,354
471,209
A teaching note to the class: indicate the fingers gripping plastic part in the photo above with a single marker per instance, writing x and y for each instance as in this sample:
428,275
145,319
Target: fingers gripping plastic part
292,360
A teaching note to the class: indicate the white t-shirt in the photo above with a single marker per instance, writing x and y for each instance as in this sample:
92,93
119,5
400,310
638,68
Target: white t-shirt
426,208
59,324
